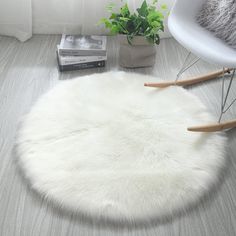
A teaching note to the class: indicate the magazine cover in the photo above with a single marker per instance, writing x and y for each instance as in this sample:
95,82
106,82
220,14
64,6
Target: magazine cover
82,45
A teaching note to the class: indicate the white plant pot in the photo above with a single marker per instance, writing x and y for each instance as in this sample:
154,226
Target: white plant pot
140,54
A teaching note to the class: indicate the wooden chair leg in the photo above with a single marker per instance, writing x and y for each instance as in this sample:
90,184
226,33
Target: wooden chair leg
214,127
188,82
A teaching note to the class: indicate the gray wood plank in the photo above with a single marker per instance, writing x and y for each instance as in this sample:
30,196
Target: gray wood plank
26,72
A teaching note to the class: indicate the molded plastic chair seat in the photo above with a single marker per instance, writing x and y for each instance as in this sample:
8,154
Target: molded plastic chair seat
184,28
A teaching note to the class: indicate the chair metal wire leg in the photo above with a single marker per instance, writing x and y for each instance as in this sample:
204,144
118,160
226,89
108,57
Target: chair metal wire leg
186,65
224,98
191,81
220,125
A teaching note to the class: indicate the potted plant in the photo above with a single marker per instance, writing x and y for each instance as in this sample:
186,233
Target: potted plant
138,32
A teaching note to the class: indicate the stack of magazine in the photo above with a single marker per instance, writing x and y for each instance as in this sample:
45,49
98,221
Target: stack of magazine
81,52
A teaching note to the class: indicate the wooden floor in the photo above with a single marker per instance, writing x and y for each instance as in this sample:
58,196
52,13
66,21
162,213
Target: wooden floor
26,72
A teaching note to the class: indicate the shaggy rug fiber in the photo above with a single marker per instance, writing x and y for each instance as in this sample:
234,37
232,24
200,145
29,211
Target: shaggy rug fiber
107,147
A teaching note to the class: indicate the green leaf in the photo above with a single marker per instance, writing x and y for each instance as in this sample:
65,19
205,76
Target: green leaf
110,7
124,11
164,7
113,16
124,19
115,29
122,28
155,24
143,10
106,22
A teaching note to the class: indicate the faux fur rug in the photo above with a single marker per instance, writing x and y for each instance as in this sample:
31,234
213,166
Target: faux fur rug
107,147
219,16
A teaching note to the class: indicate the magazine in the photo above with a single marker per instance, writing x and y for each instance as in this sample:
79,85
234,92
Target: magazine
68,60
80,65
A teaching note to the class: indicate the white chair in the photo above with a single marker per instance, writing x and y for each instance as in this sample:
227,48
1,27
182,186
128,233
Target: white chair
204,45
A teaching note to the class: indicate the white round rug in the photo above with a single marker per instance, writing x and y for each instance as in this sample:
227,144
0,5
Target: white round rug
105,146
